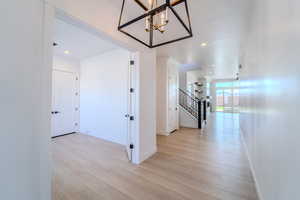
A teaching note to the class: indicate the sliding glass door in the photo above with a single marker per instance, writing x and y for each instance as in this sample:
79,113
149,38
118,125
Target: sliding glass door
227,100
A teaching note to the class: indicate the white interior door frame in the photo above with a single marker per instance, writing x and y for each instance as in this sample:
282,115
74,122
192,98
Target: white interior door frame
132,146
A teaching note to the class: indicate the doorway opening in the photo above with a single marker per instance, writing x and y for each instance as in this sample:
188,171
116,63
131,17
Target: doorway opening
227,97
93,81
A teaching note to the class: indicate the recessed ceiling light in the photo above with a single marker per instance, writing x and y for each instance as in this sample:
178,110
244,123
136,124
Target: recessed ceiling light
203,44
67,52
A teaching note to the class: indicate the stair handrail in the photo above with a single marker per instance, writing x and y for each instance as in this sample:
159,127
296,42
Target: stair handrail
189,94
194,107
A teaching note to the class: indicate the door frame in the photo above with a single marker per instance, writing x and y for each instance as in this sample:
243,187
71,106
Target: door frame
131,116
232,110
51,14
44,117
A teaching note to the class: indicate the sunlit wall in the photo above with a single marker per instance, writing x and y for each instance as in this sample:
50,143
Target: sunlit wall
270,98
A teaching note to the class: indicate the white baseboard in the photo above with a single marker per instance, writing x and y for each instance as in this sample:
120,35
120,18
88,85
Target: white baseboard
251,167
147,155
163,133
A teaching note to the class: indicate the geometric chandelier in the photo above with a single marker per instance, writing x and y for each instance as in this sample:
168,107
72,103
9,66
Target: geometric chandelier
155,22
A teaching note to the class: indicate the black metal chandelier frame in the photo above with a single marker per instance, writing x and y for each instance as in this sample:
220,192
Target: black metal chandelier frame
152,13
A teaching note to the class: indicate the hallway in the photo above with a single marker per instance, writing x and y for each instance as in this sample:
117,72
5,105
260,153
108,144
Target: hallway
188,165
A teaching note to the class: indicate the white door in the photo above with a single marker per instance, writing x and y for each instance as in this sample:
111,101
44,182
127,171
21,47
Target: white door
172,102
63,103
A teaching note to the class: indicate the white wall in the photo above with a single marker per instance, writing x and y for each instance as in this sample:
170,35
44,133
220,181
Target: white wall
192,77
182,80
146,63
186,119
67,64
270,94
24,103
161,95
95,14
103,98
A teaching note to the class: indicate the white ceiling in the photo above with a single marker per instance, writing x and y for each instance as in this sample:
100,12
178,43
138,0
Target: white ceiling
220,24
80,43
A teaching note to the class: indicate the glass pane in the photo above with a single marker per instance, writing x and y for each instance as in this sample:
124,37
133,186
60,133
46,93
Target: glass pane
228,100
224,84
236,100
220,101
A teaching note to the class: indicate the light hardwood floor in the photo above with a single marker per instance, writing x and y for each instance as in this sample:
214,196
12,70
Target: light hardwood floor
189,165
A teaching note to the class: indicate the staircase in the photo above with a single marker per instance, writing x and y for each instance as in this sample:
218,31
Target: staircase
193,109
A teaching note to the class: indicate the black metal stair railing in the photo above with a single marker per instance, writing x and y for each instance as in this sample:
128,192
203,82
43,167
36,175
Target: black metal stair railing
193,105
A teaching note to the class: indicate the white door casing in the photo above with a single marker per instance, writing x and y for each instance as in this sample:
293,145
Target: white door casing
63,103
130,116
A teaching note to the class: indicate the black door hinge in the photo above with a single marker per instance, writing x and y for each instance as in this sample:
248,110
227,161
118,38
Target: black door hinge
131,118
131,146
131,90
132,62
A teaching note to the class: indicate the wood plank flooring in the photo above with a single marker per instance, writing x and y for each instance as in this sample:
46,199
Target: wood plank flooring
189,165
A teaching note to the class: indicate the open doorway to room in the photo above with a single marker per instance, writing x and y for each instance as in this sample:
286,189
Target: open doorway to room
226,96
93,99
92,83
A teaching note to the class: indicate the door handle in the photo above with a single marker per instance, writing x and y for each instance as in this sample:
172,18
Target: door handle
54,112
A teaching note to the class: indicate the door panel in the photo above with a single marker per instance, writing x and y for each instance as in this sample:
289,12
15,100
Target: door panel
63,103
172,103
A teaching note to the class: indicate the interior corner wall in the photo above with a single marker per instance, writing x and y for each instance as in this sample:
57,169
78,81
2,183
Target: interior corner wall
25,102
146,116
104,93
182,80
269,98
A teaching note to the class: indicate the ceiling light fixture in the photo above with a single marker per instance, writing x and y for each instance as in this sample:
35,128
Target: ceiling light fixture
157,15
203,44
66,52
